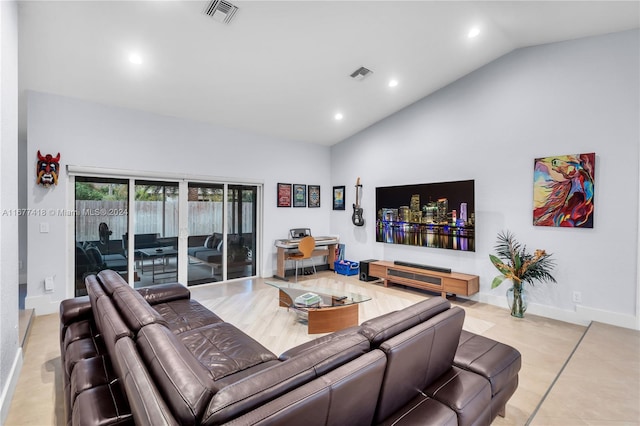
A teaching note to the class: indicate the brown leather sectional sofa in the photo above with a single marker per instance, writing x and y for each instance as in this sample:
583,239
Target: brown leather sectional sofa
154,356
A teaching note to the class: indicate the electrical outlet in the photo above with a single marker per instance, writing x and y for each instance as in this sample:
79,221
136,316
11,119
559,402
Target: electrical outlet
577,297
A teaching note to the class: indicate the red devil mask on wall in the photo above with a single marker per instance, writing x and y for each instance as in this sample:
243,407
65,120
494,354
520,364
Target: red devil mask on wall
47,170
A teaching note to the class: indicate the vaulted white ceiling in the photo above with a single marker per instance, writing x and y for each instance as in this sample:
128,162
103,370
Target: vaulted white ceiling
282,68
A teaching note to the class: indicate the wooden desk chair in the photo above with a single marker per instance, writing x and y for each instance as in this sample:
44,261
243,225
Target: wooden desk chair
306,247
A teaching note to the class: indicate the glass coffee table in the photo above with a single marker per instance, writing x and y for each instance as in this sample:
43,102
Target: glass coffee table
324,302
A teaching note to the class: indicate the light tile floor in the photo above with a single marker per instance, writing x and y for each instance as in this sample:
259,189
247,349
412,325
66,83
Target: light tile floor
599,381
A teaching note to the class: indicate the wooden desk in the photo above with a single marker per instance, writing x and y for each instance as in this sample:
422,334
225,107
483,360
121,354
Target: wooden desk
325,246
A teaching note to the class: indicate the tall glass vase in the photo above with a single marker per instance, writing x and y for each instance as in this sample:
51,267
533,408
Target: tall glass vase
517,300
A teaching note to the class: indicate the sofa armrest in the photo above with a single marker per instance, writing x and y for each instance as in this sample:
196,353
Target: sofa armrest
76,309
164,293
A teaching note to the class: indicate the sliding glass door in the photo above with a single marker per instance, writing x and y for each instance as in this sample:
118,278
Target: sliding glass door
219,252
241,231
156,232
218,231
101,219
206,233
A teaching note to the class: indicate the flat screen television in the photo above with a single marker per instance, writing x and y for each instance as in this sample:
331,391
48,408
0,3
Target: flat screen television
439,215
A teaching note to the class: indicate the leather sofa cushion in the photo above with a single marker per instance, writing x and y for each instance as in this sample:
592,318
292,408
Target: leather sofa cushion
146,403
186,314
224,349
81,349
135,311
467,393
344,396
102,406
384,327
185,385
89,373
251,392
416,357
496,361
86,329
422,407
163,293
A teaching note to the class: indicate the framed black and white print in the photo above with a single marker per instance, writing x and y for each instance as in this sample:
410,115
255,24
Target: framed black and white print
284,195
338,197
314,195
299,195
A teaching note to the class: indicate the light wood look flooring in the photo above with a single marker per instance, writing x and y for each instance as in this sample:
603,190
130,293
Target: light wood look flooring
571,375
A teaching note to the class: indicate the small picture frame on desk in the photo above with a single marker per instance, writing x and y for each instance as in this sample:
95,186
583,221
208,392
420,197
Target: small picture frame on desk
338,198
314,195
284,195
299,195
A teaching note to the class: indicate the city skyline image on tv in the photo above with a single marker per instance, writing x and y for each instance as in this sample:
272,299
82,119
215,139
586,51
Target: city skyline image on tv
438,215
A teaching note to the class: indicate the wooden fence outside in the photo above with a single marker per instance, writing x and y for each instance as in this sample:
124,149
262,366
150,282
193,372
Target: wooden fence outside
205,217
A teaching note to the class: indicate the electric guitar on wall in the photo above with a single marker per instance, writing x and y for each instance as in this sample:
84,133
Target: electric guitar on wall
357,218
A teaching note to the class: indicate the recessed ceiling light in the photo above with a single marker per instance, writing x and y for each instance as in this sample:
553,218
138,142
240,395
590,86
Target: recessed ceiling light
135,58
473,32
393,83
338,116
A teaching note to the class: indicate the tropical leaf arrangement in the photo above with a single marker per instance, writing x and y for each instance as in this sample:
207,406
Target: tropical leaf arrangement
515,264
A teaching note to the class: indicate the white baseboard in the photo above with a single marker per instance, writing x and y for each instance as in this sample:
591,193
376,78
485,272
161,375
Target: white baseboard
10,387
582,315
42,305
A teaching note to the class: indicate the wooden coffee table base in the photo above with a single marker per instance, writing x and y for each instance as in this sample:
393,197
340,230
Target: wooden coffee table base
326,320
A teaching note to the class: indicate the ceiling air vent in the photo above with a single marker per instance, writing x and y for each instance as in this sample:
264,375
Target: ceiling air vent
361,73
221,11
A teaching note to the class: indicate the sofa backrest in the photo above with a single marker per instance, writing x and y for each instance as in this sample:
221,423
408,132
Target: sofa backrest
94,291
147,405
135,311
182,381
111,281
416,357
140,240
112,327
384,327
344,396
248,393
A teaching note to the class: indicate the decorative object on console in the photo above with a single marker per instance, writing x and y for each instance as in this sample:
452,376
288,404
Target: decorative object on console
338,197
47,169
284,195
299,195
356,217
314,195
439,215
563,190
520,267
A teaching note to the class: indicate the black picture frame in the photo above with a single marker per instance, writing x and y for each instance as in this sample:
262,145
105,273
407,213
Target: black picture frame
338,197
284,195
313,194
299,195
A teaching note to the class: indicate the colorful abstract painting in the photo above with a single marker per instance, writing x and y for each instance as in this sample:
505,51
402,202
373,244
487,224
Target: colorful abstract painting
563,190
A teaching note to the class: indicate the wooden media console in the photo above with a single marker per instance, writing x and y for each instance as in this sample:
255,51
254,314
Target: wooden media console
442,282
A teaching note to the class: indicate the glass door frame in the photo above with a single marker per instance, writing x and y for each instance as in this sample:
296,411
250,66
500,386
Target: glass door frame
183,229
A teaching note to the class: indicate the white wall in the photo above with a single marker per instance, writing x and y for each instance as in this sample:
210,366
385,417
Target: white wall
88,134
563,98
10,352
